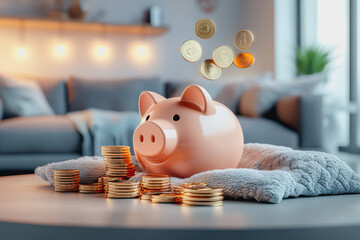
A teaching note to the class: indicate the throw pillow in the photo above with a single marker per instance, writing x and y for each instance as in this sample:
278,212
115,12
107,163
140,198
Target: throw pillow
259,99
230,94
22,98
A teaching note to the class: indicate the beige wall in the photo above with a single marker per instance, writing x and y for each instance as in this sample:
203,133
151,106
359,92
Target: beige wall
163,58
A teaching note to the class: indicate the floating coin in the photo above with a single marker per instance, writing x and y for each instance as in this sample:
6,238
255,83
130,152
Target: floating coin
209,70
223,56
244,39
191,50
205,28
244,60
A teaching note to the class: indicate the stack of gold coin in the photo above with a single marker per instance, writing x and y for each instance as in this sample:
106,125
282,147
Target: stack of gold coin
156,183
202,196
118,161
105,181
166,198
91,188
66,180
123,189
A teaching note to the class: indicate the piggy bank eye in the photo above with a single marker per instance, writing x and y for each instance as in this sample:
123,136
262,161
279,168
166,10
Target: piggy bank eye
147,118
176,117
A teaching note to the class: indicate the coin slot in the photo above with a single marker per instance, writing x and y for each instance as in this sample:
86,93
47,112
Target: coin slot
153,138
141,138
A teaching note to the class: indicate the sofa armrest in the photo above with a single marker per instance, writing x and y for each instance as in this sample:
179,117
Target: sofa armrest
1,110
304,114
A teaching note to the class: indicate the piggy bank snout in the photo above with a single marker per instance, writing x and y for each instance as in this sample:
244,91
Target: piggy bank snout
155,139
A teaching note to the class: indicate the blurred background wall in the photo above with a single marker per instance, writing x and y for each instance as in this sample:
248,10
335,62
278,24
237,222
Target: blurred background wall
131,55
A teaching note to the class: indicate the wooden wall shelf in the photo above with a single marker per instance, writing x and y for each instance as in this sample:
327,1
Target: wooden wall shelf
81,26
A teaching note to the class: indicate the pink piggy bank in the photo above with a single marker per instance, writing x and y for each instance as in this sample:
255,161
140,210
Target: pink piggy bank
185,135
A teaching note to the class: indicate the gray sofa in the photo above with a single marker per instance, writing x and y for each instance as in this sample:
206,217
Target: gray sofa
27,142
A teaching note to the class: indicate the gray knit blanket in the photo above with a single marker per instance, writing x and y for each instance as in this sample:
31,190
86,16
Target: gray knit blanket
266,174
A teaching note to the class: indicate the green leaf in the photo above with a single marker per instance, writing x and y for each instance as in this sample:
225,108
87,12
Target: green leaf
311,60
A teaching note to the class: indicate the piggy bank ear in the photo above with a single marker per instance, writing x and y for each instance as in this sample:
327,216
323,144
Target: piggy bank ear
147,99
198,98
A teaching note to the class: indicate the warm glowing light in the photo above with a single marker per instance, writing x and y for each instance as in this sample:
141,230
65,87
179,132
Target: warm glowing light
20,52
60,49
101,50
140,53
142,50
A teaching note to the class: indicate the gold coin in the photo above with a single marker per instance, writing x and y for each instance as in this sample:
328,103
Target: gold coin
156,186
146,196
216,194
124,190
165,198
124,183
93,186
66,180
114,156
65,190
203,199
115,147
167,195
158,182
155,176
223,56
123,193
205,28
202,190
110,170
191,51
193,184
210,70
244,39
90,192
213,204
244,60
120,175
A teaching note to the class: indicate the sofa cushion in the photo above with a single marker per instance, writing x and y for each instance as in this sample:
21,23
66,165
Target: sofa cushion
23,98
116,95
54,89
262,130
260,98
55,93
45,134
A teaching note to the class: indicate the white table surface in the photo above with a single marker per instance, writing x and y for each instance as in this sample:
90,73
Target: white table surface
26,200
